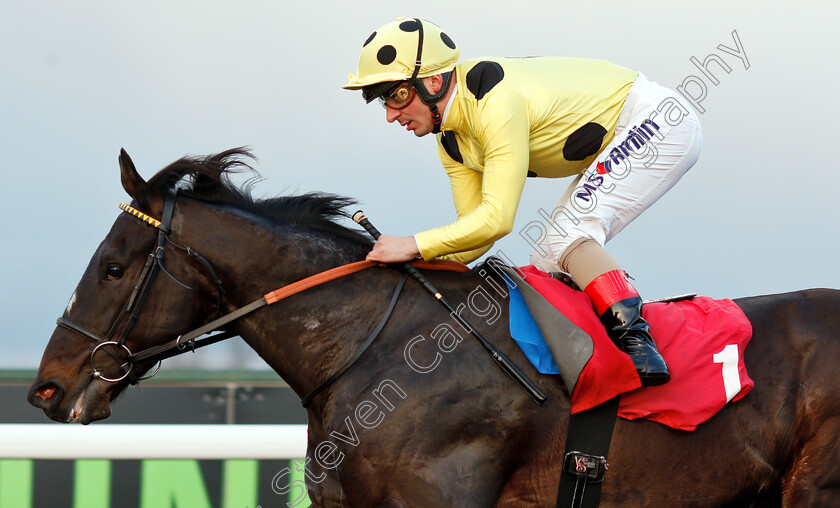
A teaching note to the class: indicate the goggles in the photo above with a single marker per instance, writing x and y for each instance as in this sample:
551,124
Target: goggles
399,97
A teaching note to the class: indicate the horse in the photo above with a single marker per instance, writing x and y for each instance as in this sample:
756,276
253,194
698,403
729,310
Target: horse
423,417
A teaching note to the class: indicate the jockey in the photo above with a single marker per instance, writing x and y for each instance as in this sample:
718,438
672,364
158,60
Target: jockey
625,139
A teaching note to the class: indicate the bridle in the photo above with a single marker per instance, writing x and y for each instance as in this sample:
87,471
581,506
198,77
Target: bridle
132,307
196,338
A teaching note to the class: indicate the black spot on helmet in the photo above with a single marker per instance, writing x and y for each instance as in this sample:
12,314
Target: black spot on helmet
386,54
409,26
393,57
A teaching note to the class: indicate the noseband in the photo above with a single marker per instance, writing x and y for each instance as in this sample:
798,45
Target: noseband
131,310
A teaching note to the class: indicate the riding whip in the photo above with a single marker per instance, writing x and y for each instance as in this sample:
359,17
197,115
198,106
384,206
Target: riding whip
501,359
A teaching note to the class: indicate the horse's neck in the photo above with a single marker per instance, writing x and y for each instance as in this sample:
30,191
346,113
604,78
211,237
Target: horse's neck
254,256
307,335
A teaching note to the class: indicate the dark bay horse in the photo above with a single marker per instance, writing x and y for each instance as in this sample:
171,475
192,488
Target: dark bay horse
424,418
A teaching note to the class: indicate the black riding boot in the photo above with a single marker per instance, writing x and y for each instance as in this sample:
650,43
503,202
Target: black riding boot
620,308
631,333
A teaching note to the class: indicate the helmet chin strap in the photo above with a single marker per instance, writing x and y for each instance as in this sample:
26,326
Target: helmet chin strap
431,100
427,98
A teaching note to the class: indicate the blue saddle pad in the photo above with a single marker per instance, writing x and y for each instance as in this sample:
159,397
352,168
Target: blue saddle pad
527,335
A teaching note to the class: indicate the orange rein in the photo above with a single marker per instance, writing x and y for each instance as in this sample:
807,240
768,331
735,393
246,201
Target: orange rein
341,271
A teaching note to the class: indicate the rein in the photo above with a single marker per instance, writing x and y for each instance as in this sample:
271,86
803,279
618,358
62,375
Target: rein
193,340
188,341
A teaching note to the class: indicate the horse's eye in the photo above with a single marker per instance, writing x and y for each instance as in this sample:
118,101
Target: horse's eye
114,272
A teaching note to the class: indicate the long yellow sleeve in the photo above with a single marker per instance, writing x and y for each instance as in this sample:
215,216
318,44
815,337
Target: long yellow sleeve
514,118
486,202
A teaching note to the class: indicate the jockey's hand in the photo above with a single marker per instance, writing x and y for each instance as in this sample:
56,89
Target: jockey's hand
394,249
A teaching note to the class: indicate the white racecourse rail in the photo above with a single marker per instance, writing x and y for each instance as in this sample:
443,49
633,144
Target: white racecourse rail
118,441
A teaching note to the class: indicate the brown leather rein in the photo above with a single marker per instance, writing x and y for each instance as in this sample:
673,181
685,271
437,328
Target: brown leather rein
193,340
187,340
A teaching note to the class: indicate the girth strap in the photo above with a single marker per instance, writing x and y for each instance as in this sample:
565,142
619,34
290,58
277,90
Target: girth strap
585,459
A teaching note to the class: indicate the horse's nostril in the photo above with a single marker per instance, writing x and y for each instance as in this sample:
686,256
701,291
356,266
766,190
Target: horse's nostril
45,395
46,391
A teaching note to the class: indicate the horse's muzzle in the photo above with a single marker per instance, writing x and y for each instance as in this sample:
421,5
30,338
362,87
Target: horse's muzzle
84,407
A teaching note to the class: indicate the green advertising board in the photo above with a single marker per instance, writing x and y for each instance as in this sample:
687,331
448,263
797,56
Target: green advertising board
154,484
178,397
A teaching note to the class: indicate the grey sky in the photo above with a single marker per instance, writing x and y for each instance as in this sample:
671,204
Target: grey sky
79,80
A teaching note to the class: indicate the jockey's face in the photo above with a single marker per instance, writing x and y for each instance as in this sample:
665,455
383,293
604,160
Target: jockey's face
416,117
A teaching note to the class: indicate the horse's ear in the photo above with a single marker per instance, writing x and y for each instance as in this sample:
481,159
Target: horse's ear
133,183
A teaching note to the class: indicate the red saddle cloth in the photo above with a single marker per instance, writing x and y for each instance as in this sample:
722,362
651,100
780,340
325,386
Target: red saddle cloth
701,339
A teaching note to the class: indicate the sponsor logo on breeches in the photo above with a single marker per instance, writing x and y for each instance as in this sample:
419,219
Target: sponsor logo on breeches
636,138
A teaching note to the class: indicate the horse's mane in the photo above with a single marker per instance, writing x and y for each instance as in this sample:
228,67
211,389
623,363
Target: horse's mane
206,178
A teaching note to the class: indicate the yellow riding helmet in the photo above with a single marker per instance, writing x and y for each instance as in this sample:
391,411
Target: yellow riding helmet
394,53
